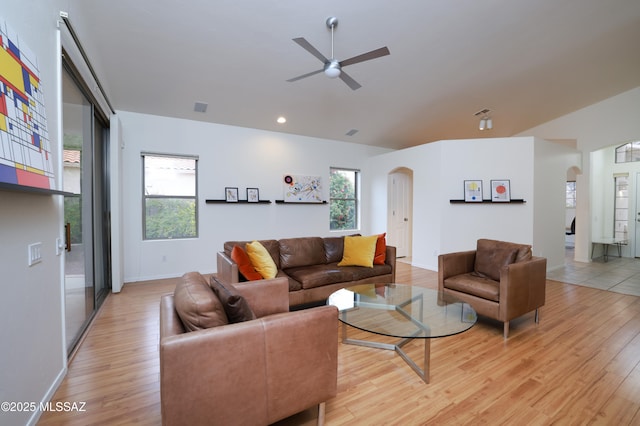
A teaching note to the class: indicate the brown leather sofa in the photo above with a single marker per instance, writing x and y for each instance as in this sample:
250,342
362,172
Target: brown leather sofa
500,280
254,372
310,265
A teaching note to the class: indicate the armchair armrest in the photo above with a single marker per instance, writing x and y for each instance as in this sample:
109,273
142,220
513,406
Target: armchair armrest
266,297
390,259
302,358
522,287
452,264
227,271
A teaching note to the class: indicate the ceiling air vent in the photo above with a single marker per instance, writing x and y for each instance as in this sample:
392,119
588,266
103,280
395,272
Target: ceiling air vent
352,132
200,107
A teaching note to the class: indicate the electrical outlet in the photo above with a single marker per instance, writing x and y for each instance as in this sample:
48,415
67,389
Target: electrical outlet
35,253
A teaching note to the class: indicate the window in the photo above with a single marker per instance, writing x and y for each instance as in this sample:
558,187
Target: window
571,195
621,214
628,152
343,199
170,200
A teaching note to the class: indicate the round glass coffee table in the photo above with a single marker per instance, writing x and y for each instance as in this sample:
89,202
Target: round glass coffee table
403,311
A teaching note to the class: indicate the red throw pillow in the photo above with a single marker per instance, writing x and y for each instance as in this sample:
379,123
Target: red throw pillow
245,267
381,250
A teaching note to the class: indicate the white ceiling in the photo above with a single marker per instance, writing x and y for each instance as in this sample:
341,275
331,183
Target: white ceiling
528,61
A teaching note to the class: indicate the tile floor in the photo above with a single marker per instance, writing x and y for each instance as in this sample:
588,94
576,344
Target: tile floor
620,275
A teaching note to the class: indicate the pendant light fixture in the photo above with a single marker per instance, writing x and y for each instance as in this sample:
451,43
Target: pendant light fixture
485,119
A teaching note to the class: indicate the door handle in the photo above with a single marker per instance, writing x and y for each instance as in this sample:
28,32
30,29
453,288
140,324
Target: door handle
67,236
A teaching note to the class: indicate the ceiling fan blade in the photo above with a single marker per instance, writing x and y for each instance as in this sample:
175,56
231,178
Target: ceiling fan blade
350,81
383,51
309,48
300,77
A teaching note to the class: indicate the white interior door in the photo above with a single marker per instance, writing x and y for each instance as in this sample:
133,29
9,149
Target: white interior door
399,229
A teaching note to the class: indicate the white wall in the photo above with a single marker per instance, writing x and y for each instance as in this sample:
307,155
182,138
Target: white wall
487,159
612,121
228,156
439,171
552,161
33,355
425,162
116,188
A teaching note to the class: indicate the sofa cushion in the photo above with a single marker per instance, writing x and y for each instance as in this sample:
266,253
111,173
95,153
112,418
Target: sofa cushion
492,256
380,255
359,251
319,275
261,260
235,306
245,267
475,285
196,304
333,248
359,273
305,251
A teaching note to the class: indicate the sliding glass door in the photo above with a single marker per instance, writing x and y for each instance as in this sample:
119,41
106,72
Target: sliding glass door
85,143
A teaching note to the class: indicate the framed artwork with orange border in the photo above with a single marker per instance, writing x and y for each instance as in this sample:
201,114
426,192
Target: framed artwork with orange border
501,191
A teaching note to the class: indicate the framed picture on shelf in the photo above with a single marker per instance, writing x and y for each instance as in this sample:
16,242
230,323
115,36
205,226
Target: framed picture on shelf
253,195
473,191
500,191
231,194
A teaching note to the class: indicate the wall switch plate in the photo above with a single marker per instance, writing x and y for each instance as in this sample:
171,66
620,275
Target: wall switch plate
35,253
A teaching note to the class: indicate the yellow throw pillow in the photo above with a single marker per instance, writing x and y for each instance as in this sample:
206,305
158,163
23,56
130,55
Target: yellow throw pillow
359,251
261,260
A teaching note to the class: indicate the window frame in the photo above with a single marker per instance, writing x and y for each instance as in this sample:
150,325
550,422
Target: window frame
146,197
356,199
621,223
628,152
571,199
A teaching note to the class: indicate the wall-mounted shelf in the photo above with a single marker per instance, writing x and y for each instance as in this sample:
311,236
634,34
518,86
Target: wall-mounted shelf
32,190
237,202
288,202
513,201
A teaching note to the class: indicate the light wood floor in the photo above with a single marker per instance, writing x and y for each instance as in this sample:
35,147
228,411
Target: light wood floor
580,365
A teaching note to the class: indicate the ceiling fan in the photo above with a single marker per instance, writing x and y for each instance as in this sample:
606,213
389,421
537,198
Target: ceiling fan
332,67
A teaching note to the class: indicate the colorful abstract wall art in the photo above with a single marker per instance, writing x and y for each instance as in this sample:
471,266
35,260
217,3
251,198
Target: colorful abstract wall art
25,150
302,189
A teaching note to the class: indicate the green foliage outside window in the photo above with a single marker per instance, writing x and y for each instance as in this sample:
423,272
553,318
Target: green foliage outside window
170,200
72,212
343,200
170,218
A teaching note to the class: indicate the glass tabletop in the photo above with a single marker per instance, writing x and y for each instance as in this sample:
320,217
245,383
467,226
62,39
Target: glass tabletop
403,311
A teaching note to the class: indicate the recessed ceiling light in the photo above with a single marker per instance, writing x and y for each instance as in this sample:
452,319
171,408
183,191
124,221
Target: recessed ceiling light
281,120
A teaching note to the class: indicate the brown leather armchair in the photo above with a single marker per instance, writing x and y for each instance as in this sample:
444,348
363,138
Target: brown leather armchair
248,373
500,280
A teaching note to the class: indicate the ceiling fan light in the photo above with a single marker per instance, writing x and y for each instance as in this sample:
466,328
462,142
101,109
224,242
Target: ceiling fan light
483,124
332,70
489,124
